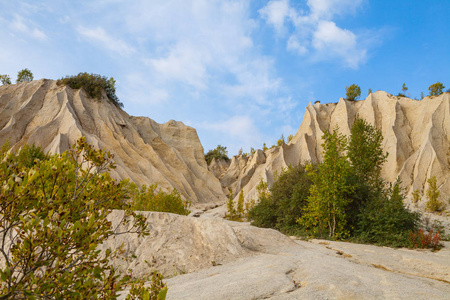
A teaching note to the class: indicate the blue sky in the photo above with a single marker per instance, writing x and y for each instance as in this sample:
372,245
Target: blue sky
240,72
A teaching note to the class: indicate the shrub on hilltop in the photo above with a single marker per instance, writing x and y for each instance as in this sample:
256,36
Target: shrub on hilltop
93,85
219,153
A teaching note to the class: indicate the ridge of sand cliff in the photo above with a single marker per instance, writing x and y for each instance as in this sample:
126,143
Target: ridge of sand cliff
52,116
416,136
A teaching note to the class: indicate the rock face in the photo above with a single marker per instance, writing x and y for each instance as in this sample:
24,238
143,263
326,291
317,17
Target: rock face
416,136
219,167
52,116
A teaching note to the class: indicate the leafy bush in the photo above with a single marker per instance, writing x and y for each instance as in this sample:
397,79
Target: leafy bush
219,153
280,208
436,89
53,216
386,220
422,239
24,75
156,291
263,214
93,85
5,79
150,199
353,92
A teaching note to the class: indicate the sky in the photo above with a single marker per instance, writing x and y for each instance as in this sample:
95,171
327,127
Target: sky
240,72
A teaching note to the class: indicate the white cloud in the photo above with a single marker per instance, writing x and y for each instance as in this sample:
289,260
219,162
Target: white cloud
99,36
185,62
19,25
315,33
275,12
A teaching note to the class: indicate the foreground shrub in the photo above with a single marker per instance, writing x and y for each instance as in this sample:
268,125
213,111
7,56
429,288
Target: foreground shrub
422,239
386,220
93,85
53,217
152,199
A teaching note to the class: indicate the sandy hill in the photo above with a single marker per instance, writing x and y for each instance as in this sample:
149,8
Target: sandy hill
52,116
416,136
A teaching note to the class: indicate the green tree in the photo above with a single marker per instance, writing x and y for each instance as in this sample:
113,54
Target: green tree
370,91
219,153
328,197
433,203
415,197
436,89
365,152
53,216
353,92
240,205
24,75
5,79
404,88
265,147
281,142
231,211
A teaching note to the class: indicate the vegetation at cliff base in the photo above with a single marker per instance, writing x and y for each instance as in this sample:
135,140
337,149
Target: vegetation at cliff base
93,85
53,216
343,197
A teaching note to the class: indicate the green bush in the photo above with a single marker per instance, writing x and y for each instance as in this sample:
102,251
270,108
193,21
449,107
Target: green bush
219,153
93,85
150,199
280,208
386,220
53,216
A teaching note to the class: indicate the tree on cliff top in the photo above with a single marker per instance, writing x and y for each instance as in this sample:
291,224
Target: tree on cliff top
436,89
219,153
353,92
24,75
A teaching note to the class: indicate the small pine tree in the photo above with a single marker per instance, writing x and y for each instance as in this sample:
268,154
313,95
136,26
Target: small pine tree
415,197
404,88
353,92
290,137
370,91
265,147
433,203
240,205
231,212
